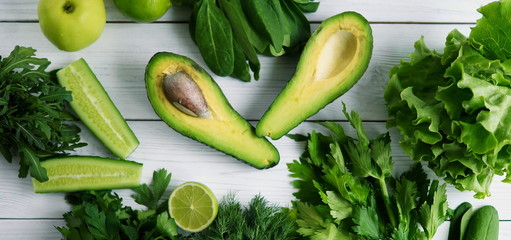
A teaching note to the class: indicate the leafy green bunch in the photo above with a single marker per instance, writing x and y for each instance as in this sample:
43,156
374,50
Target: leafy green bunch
346,189
454,108
33,120
103,215
231,33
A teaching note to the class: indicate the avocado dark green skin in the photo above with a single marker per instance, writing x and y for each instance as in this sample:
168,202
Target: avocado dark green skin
225,130
313,86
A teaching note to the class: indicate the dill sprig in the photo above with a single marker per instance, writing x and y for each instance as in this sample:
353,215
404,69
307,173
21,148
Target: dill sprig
260,220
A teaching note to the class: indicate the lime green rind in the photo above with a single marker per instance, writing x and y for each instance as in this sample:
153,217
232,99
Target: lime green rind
96,110
79,173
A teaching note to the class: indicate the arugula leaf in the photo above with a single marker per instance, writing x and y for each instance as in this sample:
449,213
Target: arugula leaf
33,121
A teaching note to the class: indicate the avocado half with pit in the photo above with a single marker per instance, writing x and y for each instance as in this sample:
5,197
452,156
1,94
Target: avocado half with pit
333,60
185,97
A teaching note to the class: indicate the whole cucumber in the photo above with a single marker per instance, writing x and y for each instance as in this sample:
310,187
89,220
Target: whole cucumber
483,224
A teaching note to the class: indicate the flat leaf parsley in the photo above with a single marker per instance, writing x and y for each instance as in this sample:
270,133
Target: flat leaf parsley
346,189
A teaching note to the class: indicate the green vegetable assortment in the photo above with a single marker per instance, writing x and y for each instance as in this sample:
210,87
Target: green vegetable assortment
230,33
32,115
346,190
453,108
103,215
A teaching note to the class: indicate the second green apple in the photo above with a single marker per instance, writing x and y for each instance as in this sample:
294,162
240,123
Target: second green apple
143,10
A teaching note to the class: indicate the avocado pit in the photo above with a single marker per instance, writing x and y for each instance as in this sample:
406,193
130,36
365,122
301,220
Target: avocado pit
338,51
182,91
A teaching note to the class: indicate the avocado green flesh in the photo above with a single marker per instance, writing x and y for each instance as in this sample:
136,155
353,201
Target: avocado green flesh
78,173
334,59
224,129
96,110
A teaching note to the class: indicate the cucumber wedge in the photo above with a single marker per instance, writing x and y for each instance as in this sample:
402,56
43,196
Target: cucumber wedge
96,110
79,173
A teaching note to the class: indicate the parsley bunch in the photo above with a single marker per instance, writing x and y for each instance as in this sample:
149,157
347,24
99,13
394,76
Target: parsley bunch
32,113
346,190
102,214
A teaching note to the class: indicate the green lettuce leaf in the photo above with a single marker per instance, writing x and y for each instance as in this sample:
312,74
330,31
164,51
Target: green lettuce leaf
492,31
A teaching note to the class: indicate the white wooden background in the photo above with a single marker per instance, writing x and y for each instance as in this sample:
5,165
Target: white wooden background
120,55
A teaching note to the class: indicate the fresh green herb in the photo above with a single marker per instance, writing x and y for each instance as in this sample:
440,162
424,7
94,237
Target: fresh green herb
230,33
453,109
102,215
259,221
346,189
32,113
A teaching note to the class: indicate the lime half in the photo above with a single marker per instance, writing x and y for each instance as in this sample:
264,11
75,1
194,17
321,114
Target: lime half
193,206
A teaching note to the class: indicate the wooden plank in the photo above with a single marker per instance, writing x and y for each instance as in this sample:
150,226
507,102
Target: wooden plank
442,11
161,147
43,229
36,229
120,56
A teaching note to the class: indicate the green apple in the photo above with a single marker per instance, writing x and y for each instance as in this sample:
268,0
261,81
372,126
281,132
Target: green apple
143,10
72,25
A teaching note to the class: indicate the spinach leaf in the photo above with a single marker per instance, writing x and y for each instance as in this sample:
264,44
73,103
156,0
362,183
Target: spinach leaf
459,221
213,34
265,18
193,19
307,5
296,26
241,70
240,26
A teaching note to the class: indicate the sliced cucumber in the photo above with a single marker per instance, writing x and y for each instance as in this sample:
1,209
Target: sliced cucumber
78,173
96,110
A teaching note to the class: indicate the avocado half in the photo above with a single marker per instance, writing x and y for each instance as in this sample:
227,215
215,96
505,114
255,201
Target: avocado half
333,60
185,97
